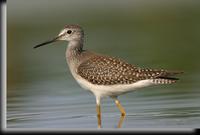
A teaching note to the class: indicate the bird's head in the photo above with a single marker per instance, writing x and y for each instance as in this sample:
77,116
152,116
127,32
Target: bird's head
69,33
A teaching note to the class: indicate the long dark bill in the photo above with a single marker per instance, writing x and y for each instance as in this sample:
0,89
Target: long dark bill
47,42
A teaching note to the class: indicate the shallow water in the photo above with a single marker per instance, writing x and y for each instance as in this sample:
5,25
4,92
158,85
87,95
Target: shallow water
62,108
41,93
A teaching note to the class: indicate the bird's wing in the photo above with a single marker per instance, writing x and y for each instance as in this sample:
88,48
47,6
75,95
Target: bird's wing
105,70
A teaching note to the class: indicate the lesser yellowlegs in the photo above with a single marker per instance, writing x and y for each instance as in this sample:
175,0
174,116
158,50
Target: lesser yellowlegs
105,75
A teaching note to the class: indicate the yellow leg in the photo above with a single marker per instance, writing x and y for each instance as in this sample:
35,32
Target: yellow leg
98,109
123,113
121,121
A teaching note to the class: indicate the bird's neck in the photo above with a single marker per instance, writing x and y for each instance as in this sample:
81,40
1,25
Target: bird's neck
75,45
74,50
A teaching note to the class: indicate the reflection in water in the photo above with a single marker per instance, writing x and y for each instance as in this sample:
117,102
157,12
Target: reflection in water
121,120
119,124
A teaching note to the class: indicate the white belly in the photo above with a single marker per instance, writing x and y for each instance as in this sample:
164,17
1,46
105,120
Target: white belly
111,90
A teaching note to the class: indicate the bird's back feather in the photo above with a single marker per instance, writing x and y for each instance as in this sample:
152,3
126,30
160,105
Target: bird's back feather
105,70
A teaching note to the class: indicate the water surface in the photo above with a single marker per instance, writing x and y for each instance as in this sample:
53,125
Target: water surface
42,94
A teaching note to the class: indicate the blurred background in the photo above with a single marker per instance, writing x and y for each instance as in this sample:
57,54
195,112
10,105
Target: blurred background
41,92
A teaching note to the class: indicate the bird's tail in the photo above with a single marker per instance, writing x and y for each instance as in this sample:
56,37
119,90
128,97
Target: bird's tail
167,77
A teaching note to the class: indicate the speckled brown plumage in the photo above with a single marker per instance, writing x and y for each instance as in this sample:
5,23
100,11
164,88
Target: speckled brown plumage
105,70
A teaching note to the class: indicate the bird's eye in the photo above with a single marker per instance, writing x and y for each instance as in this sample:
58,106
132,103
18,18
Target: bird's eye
69,31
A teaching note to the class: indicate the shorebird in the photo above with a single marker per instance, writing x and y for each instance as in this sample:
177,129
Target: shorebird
105,75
